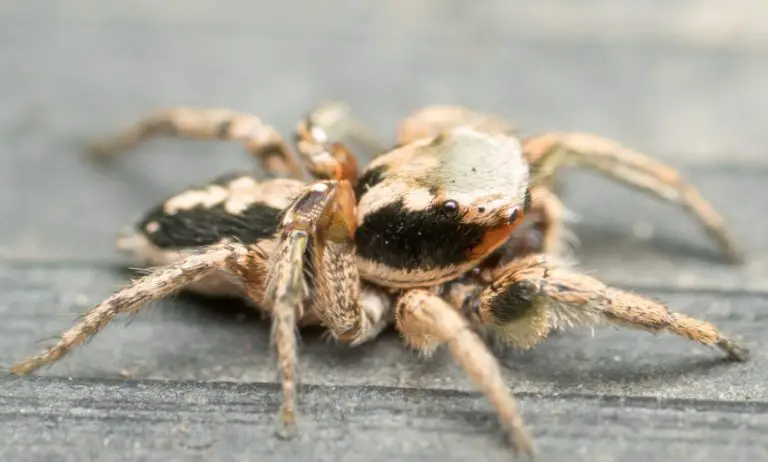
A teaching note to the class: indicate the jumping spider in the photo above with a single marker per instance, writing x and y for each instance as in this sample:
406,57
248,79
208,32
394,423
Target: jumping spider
452,234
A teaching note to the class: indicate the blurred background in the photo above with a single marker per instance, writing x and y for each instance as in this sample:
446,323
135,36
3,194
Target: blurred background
679,77
682,80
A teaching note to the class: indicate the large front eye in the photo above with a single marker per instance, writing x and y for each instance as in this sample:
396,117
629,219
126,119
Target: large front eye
514,216
450,207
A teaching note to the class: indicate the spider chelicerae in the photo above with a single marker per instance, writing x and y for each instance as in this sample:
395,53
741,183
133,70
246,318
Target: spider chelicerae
453,235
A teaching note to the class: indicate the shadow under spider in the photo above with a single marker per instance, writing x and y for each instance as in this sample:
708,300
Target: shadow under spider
224,311
544,364
547,364
599,240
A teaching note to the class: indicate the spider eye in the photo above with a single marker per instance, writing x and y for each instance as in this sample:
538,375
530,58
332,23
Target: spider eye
450,207
514,216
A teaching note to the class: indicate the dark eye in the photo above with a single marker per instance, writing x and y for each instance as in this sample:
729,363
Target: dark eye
450,207
514,216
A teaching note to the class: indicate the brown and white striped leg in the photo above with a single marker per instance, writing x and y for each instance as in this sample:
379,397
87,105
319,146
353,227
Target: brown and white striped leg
261,140
549,152
244,262
323,214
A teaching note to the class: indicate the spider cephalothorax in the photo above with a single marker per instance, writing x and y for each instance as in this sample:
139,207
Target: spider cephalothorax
436,207
453,232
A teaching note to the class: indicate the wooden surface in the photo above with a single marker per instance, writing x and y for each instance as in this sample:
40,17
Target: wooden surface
193,379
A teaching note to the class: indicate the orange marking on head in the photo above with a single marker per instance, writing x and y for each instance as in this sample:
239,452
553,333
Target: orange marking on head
495,237
491,241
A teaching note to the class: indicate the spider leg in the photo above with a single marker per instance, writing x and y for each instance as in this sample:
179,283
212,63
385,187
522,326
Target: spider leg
426,321
261,140
339,123
318,136
353,312
243,261
317,237
531,296
549,152
429,121
551,213
543,230
325,160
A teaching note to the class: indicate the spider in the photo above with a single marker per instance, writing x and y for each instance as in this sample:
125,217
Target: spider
453,235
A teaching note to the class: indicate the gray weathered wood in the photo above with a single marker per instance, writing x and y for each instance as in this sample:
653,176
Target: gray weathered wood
189,339
79,420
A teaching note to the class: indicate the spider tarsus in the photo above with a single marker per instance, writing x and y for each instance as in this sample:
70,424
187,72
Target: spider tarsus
286,427
28,366
735,351
735,255
98,149
522,443
285,342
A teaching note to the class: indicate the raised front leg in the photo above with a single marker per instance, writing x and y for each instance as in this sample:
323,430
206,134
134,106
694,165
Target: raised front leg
530,297
261,140
549,152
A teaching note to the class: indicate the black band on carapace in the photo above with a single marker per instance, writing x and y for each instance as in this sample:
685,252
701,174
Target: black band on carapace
406,239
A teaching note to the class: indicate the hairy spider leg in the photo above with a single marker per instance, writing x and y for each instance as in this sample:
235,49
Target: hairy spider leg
314,268
549,152
426,322
261,140
247,263
530,297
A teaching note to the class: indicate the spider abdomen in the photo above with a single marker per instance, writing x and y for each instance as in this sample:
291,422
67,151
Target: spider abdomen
233,208
236,207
